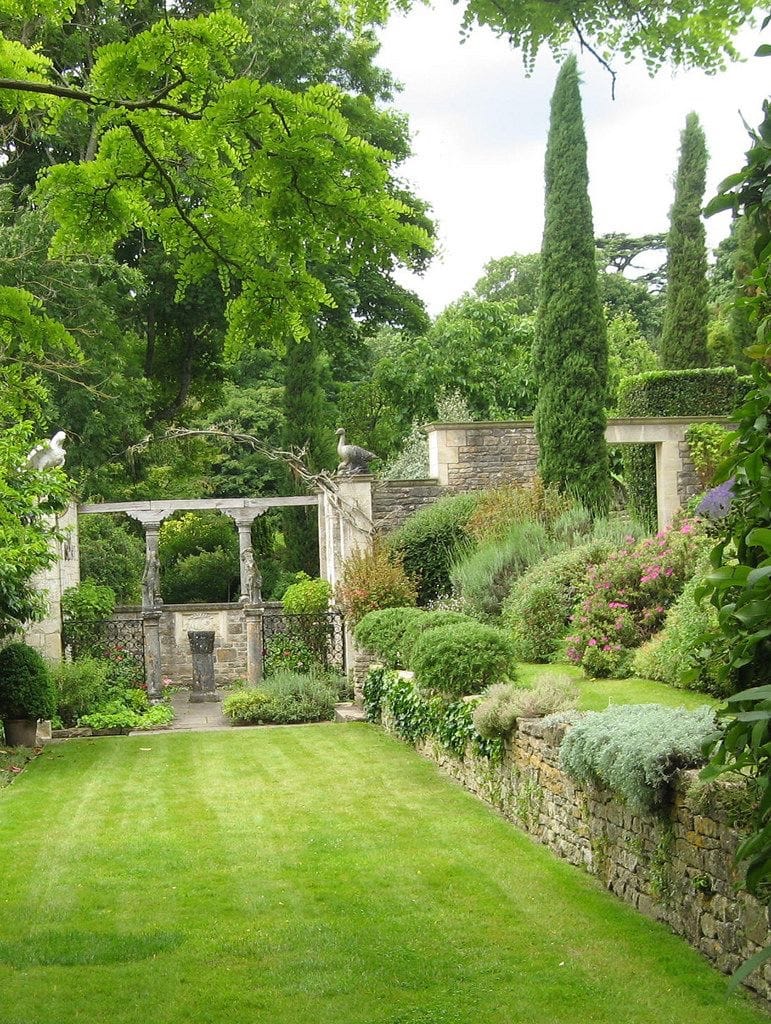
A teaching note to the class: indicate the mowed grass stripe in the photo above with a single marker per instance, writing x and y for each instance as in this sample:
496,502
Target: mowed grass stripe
315,874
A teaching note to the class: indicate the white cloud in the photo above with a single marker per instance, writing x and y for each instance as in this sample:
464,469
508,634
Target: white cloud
480,127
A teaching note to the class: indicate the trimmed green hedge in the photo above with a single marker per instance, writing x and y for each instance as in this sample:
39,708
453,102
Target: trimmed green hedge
713,391
382,633
462,658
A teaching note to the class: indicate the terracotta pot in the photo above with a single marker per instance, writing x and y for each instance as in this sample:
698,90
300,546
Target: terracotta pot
20,732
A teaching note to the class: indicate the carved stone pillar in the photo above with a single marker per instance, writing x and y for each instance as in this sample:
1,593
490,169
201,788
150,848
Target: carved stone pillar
251,580
254,645
151,627
202,649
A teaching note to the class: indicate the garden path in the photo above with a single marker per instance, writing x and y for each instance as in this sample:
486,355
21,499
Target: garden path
208,716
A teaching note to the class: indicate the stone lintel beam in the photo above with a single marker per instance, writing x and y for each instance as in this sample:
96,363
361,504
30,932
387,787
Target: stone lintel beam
163,509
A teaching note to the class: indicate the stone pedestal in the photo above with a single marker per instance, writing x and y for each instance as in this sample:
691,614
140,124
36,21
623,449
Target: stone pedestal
151,626
254,644
202,648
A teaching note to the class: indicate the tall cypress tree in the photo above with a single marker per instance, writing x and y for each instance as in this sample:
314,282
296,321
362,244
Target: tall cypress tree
309,424
571,348
684,336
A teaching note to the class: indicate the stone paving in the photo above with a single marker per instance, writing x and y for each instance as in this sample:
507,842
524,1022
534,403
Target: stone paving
208,716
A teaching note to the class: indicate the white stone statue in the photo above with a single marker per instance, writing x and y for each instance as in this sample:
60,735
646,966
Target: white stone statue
49,454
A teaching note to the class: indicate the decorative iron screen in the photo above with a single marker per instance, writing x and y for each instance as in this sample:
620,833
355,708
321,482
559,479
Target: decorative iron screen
303,641
106,638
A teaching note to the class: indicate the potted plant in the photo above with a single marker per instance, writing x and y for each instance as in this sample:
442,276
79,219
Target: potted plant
26,693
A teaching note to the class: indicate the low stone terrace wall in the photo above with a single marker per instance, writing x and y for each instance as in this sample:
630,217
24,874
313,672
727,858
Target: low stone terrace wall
678,869
393,501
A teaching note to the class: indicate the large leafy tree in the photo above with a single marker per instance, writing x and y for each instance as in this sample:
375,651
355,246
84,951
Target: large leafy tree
571,349
684,337
683,32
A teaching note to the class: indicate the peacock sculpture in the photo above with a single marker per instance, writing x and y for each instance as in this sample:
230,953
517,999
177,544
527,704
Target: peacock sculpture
354,460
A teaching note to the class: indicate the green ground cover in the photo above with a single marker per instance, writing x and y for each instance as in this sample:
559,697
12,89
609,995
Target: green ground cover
597,694
315,874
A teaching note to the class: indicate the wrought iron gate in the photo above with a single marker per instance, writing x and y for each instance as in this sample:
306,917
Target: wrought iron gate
303,642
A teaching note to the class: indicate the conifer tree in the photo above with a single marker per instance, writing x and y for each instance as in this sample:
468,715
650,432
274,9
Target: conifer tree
309,424
684,336
571,348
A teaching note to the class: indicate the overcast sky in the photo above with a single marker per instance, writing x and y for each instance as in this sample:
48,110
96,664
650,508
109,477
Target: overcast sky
479,129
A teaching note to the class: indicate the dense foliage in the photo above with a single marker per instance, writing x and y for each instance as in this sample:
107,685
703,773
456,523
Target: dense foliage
283,698
571,349
628,595
373,580
307,596
26,690
684,335
429,541
635,750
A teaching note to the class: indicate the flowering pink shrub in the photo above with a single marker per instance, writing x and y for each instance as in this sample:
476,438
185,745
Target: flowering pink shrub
627,598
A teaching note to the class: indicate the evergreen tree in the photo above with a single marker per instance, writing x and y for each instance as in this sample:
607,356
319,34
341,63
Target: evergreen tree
684,337
571,348
309,425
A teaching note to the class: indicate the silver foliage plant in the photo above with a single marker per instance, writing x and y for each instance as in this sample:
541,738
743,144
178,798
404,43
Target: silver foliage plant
635,749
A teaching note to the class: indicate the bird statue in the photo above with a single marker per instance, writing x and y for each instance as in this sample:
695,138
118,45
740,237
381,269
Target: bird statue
353,459
49,454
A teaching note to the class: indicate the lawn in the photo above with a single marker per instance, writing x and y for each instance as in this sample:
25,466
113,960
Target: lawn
315,874
596,694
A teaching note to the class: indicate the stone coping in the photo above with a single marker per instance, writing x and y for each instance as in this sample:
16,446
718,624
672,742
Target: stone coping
406,480
612,421
136,609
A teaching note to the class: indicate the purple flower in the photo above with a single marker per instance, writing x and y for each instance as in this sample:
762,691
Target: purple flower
716,503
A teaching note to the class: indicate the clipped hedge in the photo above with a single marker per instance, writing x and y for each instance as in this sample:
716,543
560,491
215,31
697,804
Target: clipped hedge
635,749
382,633
462,658
430,540
427,620
712,391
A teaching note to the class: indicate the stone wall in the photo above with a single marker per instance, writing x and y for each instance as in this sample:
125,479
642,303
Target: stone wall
473,456
229,625
394,500
678,868
688,482
46,636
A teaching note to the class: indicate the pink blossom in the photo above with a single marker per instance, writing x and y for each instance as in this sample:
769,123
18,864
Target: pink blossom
591,642
686,528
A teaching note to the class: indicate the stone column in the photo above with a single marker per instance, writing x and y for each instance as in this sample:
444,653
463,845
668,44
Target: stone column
254,644
46,635
151,627
669,465
251,580
202,649
151,601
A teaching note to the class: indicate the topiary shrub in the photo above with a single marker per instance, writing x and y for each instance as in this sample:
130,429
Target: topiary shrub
502,704
635,749
430,540
26,689
700,392
427,620
373,580
462,658
484,578
284,698
306,596
382,633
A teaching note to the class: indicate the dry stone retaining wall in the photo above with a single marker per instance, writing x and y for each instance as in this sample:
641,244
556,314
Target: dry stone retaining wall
393,501
678,868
